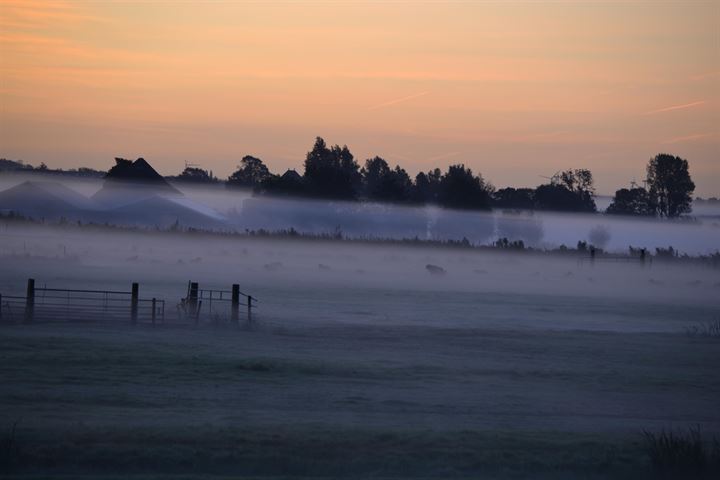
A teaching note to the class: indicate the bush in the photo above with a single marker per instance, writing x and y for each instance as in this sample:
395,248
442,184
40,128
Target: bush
709,329
681,453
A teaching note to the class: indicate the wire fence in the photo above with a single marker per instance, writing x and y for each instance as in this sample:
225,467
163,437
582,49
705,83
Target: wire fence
44,305
63,304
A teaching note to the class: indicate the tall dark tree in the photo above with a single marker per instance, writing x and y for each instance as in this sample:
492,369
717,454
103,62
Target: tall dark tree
250,173
331,172
427,186
349,168
580,181
421,188
459,188
397,186
634,201
383,184
670,187
515,198
553,196
373,173
570,191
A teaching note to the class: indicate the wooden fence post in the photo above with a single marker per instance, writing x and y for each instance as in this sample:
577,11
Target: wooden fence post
249,307
153,310
134,302
30,300
193,300
235,307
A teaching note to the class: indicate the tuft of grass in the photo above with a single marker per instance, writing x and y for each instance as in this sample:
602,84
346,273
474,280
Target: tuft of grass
709,329
685,452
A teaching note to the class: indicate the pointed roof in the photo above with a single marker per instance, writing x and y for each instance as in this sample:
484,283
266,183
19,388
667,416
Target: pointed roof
46,199
292,175
127,181
138,171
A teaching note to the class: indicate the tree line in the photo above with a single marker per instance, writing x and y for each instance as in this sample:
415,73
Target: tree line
332,172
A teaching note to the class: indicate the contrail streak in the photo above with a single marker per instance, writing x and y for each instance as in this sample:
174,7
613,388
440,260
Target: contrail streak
688,138
399,100
675,107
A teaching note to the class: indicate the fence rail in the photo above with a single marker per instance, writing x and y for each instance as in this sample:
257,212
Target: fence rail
214,304
43,304
56,304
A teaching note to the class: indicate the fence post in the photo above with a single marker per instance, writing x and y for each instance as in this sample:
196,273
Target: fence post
250,307
153,310
134,303
0,307
193,300
30,300
235,313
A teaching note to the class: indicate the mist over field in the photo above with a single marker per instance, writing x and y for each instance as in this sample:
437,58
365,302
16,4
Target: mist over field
383,340
358,348
362,281
238,210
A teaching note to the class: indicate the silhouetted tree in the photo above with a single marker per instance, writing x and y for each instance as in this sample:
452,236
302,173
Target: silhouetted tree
7,165
459,188
421,188
289,183
516,198
251,172
634,201
557,197
331,172
505,243
383,184
373,174
570,191
670,187
427,187
580,182
196,175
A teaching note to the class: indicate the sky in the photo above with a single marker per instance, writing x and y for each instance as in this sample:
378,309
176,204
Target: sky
515,90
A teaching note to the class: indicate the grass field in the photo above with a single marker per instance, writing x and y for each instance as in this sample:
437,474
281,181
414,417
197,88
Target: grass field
327,401
508,366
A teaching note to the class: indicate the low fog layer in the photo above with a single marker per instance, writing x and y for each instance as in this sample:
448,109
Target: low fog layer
238,210
300,281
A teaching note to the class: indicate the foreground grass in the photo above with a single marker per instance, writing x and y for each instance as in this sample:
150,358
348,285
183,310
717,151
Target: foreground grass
113,402
319,452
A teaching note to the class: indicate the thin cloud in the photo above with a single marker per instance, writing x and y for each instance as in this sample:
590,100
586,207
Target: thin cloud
675,107
705,75
688,138
39,14
398,100
444,156
540,136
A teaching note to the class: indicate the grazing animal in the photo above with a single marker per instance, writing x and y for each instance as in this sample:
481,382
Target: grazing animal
434,269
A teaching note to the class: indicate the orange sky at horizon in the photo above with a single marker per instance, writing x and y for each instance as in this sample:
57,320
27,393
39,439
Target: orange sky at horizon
515,90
